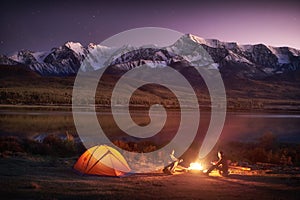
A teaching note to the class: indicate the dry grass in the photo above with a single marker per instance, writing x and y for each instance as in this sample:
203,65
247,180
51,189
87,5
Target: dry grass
45,178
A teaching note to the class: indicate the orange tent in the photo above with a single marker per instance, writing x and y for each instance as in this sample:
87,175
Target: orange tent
102,160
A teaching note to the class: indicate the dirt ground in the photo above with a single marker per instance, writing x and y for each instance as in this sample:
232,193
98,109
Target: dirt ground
49,178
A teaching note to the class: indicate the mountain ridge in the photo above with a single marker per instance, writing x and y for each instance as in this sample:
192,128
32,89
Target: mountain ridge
260,60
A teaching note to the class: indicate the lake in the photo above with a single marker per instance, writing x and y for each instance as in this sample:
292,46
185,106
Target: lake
238,126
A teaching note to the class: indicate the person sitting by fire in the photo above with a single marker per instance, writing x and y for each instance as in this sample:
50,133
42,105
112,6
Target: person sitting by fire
171,168
221,165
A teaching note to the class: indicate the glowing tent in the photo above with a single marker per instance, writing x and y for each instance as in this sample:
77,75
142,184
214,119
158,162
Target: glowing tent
102,160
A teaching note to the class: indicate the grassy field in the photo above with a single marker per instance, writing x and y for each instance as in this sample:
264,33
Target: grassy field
19,86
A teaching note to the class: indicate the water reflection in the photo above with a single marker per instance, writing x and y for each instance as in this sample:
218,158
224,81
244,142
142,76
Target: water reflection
238,126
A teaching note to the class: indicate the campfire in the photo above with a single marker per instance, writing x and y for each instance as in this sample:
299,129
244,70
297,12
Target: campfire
195,166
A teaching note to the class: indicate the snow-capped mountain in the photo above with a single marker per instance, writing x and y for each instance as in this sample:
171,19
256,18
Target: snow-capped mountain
4,60
64,60
251,61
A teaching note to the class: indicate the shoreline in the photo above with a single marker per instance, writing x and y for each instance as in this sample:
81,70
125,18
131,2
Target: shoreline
140,108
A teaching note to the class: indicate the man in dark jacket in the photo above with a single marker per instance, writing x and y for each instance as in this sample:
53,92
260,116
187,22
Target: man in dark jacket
170,169
221,165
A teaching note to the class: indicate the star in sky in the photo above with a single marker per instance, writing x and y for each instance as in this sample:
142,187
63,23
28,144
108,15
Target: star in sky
27,24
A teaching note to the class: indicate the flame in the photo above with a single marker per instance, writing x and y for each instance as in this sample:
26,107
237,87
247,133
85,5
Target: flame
195,166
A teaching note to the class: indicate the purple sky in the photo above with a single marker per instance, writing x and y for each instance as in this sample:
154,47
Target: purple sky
41,25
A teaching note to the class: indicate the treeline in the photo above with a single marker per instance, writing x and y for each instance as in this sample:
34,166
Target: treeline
52,145
140,147
28,97
40,96
58,91
267,149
